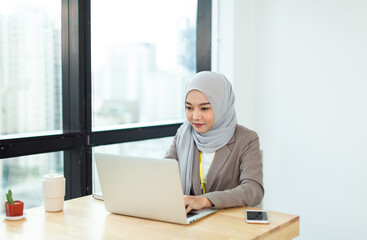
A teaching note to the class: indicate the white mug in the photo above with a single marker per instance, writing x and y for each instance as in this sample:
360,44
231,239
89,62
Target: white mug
53,186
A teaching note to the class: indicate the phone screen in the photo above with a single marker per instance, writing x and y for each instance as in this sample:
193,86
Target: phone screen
257,215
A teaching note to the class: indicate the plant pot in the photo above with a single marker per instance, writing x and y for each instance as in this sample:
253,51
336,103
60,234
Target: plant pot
13,210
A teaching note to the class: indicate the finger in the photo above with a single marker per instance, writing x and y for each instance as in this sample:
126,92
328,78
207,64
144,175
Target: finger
188,209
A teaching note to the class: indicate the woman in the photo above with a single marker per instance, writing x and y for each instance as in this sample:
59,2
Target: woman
219,160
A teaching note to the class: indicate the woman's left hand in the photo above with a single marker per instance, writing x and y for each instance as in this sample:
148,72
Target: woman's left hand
196,202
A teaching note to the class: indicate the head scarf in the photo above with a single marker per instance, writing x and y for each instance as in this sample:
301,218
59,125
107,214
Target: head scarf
218,90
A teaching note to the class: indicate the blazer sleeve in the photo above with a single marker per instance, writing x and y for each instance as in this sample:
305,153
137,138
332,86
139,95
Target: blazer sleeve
250,190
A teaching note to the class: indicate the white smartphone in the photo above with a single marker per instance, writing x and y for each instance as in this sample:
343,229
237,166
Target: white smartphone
257,216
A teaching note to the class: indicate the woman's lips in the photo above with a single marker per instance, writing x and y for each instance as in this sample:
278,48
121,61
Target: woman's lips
198,125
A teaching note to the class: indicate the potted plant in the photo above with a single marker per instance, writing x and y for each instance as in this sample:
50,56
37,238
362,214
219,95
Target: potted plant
13,208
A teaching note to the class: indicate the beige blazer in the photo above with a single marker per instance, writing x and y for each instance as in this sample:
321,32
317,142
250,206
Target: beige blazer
235,177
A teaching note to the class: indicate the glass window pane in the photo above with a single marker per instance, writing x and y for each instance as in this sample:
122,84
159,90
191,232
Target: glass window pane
30,66
143,52
23,175
155,148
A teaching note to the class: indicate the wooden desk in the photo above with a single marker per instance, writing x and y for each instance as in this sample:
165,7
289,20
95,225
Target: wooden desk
86,218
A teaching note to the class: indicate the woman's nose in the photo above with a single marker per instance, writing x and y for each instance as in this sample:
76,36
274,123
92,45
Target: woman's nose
196,115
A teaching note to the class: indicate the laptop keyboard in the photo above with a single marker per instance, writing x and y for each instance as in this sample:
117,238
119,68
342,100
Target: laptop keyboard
190,214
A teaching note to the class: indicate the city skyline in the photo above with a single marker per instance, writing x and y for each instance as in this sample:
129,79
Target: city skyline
30,95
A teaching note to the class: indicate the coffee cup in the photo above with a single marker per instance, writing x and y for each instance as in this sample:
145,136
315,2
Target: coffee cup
53,187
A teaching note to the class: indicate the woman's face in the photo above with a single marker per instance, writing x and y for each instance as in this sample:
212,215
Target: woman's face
199,112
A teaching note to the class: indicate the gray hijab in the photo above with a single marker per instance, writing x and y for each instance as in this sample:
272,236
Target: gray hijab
218,90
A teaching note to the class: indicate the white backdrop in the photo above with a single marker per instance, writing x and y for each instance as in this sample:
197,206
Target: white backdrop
299,69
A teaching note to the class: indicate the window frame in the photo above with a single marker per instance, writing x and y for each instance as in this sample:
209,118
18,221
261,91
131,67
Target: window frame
77,138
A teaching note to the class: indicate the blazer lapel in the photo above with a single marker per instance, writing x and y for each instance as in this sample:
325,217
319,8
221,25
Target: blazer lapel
220,158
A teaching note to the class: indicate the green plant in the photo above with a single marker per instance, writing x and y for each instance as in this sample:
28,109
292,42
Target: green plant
9,197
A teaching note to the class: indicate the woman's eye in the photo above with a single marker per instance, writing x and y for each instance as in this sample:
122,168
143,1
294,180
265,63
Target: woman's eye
205,109
188,108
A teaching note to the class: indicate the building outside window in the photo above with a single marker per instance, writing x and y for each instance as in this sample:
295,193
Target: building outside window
142,60
30,91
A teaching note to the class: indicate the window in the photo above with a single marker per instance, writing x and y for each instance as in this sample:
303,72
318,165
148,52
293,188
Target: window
23,176
52,112
30,92
141,61
30,69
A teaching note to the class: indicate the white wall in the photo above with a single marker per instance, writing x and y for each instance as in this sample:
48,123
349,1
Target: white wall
299,70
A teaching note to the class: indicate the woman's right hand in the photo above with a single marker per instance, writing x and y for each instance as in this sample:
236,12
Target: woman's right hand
196,202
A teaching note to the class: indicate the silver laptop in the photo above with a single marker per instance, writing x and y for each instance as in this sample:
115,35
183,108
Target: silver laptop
144,187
